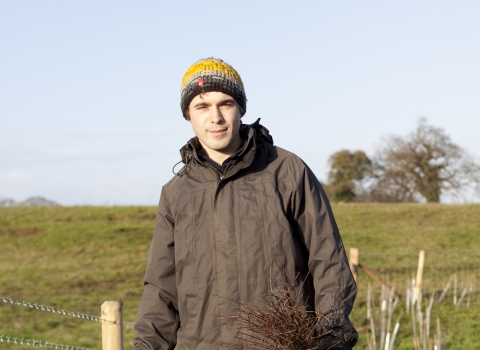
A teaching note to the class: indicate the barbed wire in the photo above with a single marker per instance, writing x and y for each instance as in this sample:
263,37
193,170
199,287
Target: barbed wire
42,344
415,253
58,311
52,309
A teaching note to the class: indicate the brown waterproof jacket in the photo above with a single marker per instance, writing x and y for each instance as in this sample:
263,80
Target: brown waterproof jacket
225,239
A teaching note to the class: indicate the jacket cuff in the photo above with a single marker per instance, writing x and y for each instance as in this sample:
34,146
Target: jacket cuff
337,335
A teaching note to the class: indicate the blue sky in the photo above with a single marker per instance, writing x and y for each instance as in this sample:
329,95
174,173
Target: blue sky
89,91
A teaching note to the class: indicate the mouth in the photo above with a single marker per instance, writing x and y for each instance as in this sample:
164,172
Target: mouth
218,132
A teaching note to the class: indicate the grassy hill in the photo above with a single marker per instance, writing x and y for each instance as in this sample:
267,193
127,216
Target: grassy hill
75,258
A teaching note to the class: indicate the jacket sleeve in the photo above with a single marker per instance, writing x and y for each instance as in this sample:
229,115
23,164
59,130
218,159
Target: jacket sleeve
157,317
335,288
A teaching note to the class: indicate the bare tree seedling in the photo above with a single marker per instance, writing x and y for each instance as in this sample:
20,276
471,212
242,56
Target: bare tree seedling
280,321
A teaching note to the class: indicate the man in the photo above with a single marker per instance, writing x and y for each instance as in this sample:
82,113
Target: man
241,216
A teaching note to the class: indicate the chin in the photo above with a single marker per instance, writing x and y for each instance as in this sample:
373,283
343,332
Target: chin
219,148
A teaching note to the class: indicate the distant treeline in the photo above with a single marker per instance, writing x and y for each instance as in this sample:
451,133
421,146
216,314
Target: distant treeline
29,202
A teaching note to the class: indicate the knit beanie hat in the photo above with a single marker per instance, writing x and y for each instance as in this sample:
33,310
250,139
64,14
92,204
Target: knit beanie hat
211,74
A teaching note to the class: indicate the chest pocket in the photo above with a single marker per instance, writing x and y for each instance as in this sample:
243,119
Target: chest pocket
259,211
184,223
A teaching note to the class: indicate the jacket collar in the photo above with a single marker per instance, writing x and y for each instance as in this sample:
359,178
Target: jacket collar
257,137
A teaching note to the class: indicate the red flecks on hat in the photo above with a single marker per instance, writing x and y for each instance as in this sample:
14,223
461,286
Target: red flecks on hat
200,81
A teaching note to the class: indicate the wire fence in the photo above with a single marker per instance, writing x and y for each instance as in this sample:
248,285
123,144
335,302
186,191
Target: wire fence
460,286
45,344
450,275
42,344
58,311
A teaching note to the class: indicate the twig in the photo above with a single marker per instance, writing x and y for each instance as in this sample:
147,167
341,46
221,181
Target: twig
444,292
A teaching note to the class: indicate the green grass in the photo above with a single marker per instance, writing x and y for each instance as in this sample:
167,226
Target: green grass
75,258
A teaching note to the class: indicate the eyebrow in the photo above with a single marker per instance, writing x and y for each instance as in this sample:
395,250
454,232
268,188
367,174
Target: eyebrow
200,104
223,102
228,100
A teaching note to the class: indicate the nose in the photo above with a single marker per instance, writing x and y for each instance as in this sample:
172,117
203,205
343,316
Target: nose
216,116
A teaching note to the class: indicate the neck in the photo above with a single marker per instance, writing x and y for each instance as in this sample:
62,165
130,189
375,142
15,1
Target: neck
219,156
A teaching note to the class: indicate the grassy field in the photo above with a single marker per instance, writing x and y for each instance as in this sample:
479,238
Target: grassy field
75,258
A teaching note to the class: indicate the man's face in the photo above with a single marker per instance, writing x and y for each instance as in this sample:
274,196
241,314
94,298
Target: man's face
215,118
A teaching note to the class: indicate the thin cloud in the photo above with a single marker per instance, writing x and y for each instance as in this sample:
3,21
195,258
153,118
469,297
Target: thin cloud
17,174
101,132
69,155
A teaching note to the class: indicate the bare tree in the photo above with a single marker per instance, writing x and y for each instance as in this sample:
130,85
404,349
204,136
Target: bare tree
425,163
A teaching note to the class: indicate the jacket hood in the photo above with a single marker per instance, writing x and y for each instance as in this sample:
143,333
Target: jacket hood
260,131
258,136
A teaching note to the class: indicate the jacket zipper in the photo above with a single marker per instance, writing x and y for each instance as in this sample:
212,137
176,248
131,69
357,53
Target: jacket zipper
216,175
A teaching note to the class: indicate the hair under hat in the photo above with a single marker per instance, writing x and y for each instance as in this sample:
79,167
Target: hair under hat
211,74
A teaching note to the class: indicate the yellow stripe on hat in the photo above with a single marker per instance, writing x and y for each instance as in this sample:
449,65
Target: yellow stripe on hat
208,66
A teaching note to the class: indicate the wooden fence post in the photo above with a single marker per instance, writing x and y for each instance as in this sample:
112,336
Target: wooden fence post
112,325
354,261
418,280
